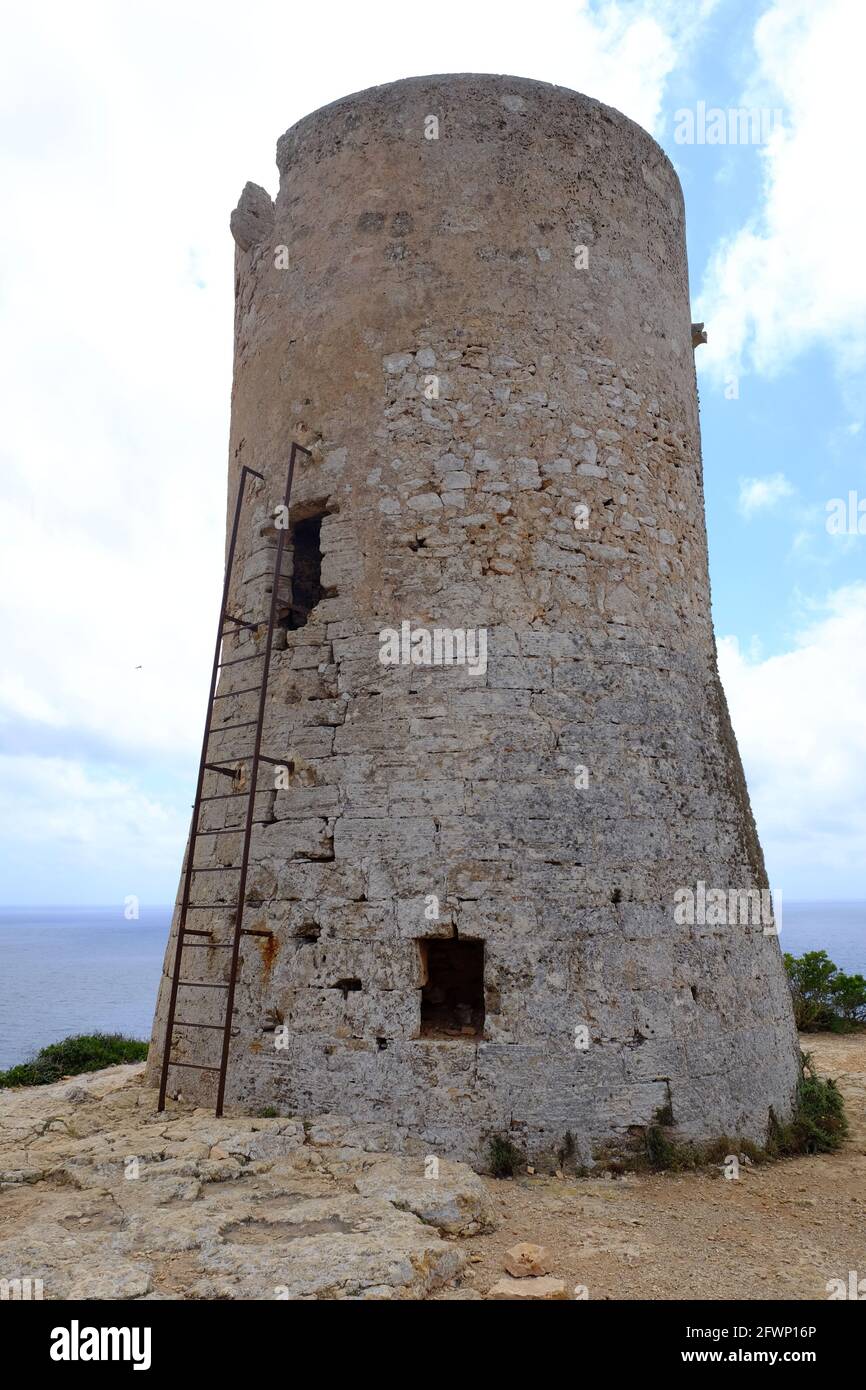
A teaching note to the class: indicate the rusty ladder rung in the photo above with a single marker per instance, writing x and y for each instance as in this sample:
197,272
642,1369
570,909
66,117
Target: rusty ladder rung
230,694
196,1066
227,796
232,829
187,1023
236,660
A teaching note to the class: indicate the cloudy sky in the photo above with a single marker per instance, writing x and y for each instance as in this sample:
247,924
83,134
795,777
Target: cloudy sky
127,133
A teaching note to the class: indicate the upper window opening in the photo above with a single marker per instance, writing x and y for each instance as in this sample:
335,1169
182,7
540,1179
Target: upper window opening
306,570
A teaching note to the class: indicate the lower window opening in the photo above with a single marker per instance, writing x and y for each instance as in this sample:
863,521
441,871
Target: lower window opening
452,993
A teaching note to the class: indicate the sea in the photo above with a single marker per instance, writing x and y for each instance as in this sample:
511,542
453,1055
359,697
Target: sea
87,969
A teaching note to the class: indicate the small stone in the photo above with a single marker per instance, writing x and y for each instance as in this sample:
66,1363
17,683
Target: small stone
76,1095
524,1260
397,362
425,502
544,1288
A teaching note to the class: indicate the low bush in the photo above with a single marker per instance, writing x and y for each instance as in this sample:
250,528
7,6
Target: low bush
824,996
80,1053
818,1124
505,1158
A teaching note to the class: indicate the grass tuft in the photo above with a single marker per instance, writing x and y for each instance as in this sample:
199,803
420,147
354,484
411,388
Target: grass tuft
818,1124
504,1157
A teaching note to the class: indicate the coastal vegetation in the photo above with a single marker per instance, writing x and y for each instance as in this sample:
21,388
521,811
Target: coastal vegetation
80,1053
825,998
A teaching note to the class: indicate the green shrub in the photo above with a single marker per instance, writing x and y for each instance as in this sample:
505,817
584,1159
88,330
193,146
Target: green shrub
504,1157
824,996
849,998
81,1053
661,1154
818,1124
565,1153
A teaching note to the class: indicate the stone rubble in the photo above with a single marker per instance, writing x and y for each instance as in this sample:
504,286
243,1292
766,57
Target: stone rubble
525,1260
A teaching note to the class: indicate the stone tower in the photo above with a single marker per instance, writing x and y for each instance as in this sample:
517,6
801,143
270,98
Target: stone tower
509,755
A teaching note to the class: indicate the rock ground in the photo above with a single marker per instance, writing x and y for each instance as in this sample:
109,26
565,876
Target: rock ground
259,1208
781,1231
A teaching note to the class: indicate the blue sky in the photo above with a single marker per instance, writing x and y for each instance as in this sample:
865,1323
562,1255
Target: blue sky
126,136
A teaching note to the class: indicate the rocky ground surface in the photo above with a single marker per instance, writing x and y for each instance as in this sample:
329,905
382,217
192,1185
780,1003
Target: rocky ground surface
100,1197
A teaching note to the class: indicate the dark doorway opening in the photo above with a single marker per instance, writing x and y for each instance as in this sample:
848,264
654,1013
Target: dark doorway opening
306,570
452,994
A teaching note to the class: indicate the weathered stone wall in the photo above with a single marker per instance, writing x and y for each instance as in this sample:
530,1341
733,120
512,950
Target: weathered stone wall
455,258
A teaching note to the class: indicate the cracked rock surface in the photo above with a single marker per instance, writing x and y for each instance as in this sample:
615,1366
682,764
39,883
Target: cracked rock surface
256,1208
102,1198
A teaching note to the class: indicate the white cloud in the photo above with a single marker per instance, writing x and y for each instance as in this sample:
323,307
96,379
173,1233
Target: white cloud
799,721
762,494
64,825
792,278
129,135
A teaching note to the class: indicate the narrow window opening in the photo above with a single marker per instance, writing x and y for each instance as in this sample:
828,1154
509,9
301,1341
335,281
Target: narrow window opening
306,570
452,993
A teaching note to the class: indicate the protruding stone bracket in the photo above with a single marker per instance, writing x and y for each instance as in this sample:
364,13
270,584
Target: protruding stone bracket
699,333
253,219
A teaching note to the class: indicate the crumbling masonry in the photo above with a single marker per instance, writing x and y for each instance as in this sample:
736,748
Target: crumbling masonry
470,301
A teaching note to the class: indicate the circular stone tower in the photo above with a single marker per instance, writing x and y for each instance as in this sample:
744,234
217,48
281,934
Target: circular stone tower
511,877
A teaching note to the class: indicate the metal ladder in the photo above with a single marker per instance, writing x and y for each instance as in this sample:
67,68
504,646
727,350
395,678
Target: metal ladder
226,768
